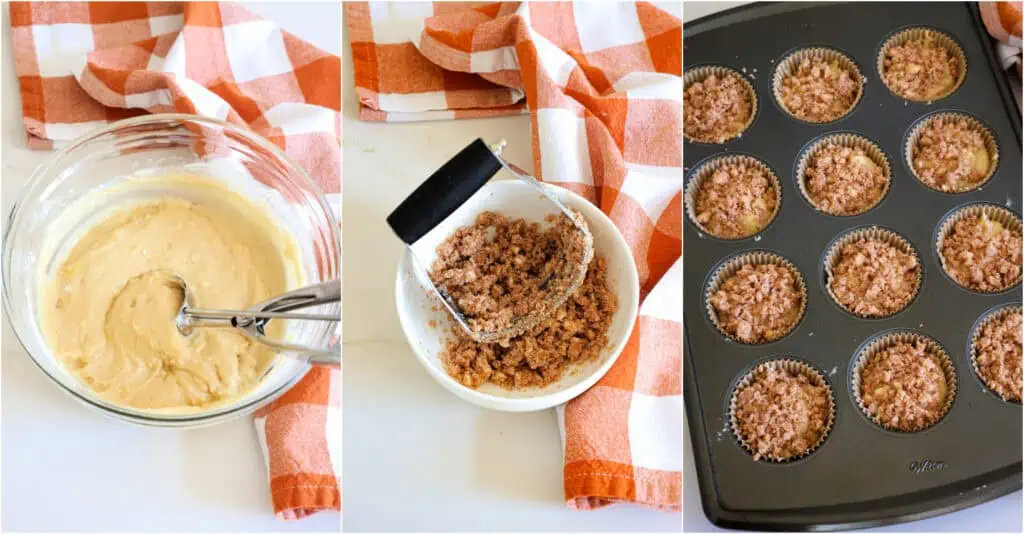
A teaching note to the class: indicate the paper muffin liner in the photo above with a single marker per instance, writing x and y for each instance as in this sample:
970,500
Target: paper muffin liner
832,257
850,140
940,38
731,266
885,341
790,63
987,318
707,168
700,74
986,134
794,366
993,212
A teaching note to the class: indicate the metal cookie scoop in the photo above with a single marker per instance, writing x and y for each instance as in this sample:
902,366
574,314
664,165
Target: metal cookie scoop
252,322
444,192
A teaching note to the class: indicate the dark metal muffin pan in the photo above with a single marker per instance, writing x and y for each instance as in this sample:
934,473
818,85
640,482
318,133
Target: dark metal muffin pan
862,475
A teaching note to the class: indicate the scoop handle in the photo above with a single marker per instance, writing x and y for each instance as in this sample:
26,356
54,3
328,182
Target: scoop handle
444,191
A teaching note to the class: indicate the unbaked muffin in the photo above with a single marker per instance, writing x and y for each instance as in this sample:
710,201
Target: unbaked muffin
843,180
819,90
997,355
921,69
781,413
759,302
903,386
717,108
982,254
874,278
737,200
951,155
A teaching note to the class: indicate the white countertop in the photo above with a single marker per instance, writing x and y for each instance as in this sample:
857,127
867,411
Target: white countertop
416,457
1000,515
68,468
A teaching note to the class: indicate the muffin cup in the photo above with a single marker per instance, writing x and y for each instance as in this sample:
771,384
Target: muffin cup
846,140
707,168
888,340
733,265
989,316
794,366
700,74
940,38
791,63
994,212
833,256
987,136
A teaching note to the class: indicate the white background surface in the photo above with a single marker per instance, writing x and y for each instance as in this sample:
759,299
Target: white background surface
68,468
1000,515
417,457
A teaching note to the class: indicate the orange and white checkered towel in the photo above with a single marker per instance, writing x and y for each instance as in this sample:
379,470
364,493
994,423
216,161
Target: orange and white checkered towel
602,85
1003,22
83,64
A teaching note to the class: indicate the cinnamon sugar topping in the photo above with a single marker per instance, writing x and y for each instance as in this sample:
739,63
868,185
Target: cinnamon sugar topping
951,155
874,278
759,303
781,413
843,180
819,90
981,254
499,268
920,69
904,387
737,200
997,355
716,108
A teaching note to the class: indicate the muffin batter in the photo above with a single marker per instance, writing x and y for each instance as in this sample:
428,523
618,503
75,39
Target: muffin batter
108,310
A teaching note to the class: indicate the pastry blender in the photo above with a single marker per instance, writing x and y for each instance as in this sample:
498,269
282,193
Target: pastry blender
449,188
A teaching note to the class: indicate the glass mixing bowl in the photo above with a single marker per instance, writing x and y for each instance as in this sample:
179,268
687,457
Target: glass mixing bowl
153,145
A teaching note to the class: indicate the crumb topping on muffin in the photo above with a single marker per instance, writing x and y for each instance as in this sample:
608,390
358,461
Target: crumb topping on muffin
819,90
716,109
781,413
737,200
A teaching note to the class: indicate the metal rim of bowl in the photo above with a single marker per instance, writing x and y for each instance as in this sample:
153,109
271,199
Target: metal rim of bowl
130,414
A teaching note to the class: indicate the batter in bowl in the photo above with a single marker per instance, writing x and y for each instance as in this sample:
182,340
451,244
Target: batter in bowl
108,310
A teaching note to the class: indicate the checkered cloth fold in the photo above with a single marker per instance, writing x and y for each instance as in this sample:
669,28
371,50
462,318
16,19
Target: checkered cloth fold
603,88
1003,22
81,65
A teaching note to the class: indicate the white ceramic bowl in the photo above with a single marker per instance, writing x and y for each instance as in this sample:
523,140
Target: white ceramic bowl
418,309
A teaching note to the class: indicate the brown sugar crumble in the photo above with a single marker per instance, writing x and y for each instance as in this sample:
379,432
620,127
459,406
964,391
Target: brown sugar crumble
758,303
716,109
950,155
738,200
920,69
874,278
781,414
998,356
819,91
842,180
982,254
904,387
496,269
